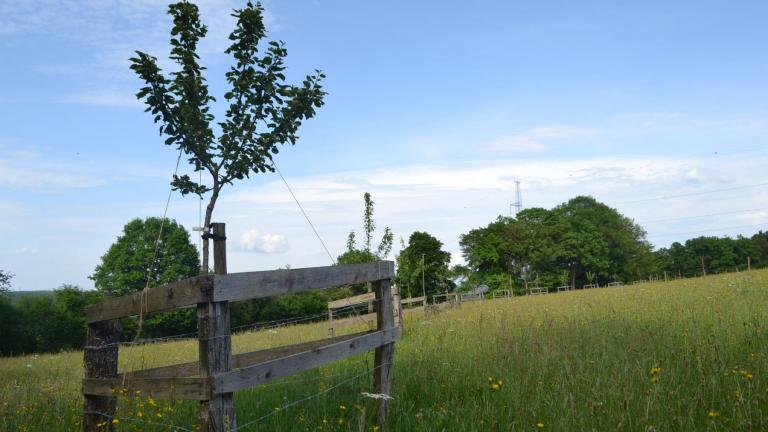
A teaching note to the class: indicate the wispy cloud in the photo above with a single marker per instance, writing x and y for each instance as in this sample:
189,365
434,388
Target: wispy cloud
104,98
111,32
538,139
25,176
450,199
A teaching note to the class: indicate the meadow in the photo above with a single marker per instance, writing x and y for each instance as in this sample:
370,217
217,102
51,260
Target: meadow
677,356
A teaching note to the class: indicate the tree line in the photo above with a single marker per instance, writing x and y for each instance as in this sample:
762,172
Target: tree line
709,255
578,242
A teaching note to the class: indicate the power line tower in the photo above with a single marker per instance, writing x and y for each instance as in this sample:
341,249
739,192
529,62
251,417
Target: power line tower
518,204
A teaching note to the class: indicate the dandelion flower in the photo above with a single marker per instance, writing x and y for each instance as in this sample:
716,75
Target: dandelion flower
540,425
713,413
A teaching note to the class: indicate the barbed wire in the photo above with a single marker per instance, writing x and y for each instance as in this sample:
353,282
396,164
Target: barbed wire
252,327
310,397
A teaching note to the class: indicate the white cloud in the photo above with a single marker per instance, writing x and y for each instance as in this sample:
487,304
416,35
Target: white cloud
447,200
537,139
254,241
29,251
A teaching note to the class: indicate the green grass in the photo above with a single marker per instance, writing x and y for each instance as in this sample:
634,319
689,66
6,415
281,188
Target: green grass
569,361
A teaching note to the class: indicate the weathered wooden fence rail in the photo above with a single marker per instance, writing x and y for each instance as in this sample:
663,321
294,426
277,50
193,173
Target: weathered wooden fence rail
218,374
368,318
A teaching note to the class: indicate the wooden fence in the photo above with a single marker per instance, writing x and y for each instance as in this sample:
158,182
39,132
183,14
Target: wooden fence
218,374
451,299
367,318
502,293
412,300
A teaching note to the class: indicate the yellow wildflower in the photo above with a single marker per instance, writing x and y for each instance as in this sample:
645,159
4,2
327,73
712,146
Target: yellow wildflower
540,425
713,413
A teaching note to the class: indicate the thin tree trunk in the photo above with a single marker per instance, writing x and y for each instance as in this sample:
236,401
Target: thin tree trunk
207,224
573,276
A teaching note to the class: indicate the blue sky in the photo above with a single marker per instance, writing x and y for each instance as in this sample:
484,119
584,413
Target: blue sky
434,107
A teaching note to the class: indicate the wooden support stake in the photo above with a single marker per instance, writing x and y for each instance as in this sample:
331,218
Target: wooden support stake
398,305
215,346
385,354
100,361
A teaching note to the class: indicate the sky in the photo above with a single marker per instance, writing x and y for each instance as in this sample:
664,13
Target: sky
656,108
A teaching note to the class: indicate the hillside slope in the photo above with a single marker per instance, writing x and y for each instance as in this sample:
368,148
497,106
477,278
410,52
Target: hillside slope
683,355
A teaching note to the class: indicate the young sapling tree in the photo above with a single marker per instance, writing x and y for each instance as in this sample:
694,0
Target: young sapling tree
263,111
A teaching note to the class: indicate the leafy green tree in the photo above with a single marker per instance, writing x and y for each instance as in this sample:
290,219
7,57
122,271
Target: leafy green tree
53,323
760,242
131,259
577,237
708,255
12,340
5,281
601,240
423,267
128,263
262,110
70,302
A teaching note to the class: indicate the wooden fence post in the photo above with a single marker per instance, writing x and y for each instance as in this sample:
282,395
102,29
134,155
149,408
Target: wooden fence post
215,345
100,361
385,354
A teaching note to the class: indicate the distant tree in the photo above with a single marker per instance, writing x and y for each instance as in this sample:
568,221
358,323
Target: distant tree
709,255
364,254
128,263
70,304
263,112
760,242
603,241
131,259
5,281
12,340
423,266
355,255
579,236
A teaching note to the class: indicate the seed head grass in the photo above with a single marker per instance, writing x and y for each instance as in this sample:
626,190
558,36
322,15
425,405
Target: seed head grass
677,356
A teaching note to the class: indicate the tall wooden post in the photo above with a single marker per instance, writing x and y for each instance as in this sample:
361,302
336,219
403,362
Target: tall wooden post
100,361
385,354
215,345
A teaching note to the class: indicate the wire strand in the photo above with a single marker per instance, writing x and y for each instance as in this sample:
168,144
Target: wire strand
313,396
304,213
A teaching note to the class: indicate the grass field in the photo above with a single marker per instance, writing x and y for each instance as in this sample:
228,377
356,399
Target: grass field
677,356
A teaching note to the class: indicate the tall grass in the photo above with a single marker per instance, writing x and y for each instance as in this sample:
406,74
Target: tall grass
677,356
